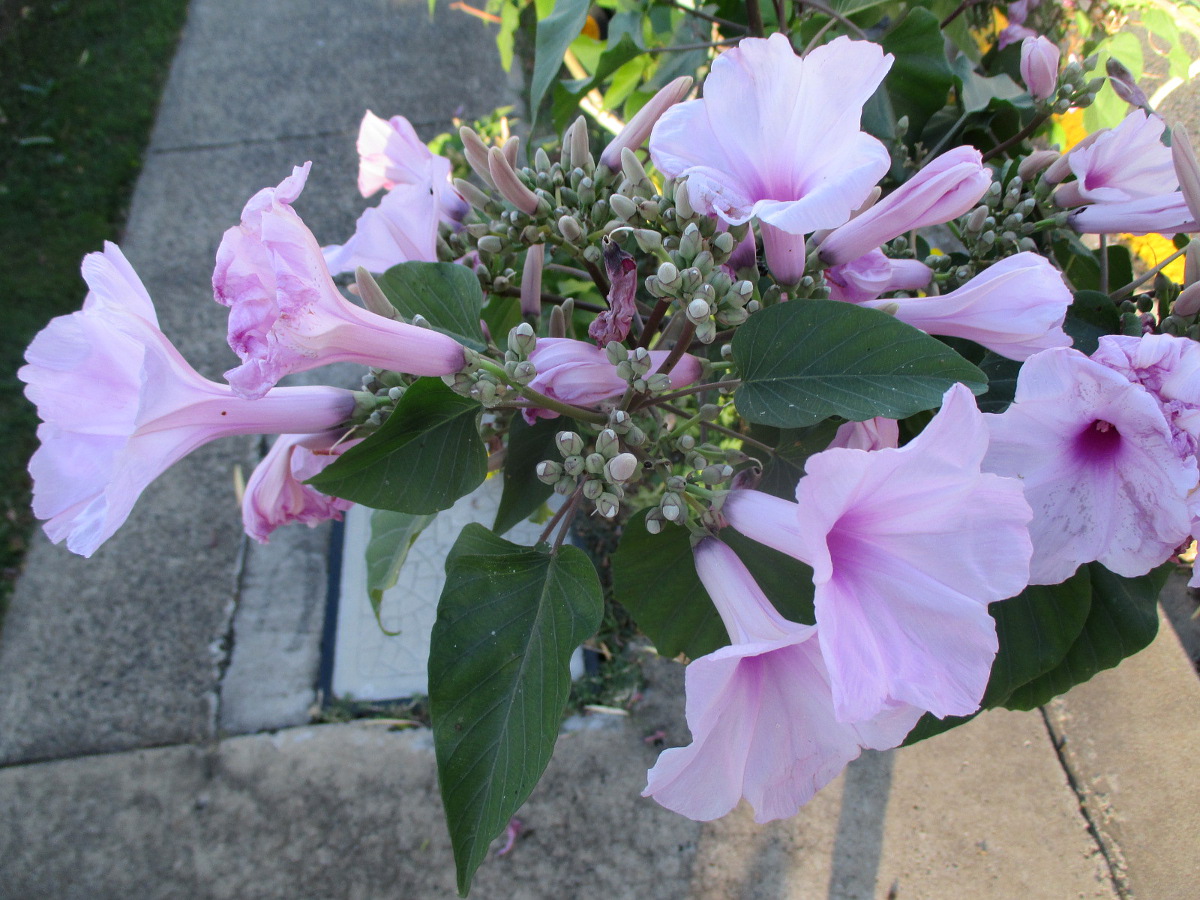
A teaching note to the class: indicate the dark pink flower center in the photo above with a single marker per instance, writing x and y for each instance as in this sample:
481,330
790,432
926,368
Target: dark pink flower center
1098,442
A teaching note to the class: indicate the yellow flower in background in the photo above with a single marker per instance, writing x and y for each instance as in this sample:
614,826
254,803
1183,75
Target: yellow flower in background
1152,249
1071,128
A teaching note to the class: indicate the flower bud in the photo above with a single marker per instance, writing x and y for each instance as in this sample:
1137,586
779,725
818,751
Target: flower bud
372,295
1036,162
659,382
668,275
558,323
573,466
592,489
623,208
509,184
548,471
476,152
698,311
569,228
490,243
654,522
1187,169
1039,66
569,443
632,168
1191,263
649,241
621,468
594,463
608,444
1124,84
635,132
635,437
1187,304
672,507
521,339
471,194
531,285
608,505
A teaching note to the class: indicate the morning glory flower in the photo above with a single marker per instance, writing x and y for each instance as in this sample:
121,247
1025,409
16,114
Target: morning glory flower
760,711
119,405
777,137
1128,162
286,315
908,547
391,154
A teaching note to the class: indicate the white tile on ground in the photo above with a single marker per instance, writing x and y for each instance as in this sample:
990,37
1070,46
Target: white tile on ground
371,665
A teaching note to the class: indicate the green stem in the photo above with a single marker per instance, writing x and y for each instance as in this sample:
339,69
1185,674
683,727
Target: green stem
726,431
1133,285
695,389
685,340
1025,132
652,323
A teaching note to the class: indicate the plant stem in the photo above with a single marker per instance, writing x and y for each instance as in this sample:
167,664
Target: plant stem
834,14
716,20
695,389
958,11
723,430
652,323
554,519
571,507
680,348
703,46
554,298
1025,132
1133,285
754,18
1104,263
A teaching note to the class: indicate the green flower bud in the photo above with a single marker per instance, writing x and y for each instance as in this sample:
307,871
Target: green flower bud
548,471
608,444
569,443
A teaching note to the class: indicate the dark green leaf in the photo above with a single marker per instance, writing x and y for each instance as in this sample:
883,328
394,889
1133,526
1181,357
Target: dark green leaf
425,456
1036,630
554,35
499,678
392,536
654,577
501,315
446,294
920,79
793,448
1091,316
979,92
806,360
1123,620
523,492
787,582
1001,374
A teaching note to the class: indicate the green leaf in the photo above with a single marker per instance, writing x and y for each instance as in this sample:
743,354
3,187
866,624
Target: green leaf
793,447
425,456
654,577
554,35
523,492
1035,629
446,294
502,314
1002,375
978,92
806,360
787,582
920,79
392,536
1091,316
499,678
1123,619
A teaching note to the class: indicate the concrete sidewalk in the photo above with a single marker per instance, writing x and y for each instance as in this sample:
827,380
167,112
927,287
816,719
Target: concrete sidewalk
124,677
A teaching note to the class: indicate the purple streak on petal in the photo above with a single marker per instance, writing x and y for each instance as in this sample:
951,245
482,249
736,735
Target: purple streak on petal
613,323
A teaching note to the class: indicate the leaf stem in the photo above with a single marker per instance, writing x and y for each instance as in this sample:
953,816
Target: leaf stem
554,519
1034,124
1133,285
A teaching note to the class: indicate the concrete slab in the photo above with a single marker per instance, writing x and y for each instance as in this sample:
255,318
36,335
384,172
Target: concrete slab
353,811
1129,737
125,650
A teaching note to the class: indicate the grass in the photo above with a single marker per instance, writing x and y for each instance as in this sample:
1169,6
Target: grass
80,87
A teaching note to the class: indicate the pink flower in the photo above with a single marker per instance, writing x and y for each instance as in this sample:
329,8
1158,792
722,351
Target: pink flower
1162,214
1098,464
120,405
760,711
873,434
579,373
777,138
908,547
638,128
943,190
1168,368
1039,66
287,316
1015,308
402,228
872,274
1018,10
1124,164
276,493
391,154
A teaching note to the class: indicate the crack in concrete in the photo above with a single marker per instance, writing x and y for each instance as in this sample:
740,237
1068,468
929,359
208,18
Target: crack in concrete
1111,853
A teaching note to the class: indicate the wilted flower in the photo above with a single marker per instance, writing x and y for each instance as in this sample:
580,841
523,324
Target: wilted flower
908,546
760,711
286,315
276,494
120,406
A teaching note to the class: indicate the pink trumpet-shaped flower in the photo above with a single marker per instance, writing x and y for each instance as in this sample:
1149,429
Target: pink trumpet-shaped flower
402,228
760,711
908,547
276,494
286,315
1099,466
1018,11
1039,66
1125,164
777,138
872,274
579,373
120,405
943,190
391,154
1014,308
1162,214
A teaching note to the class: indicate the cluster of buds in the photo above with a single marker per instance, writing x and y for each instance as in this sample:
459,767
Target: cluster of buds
1002,224
600,475
634,368
521,342
381,391
477,382
1075,88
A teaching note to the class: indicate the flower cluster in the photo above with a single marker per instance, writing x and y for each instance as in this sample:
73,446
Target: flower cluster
634,331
